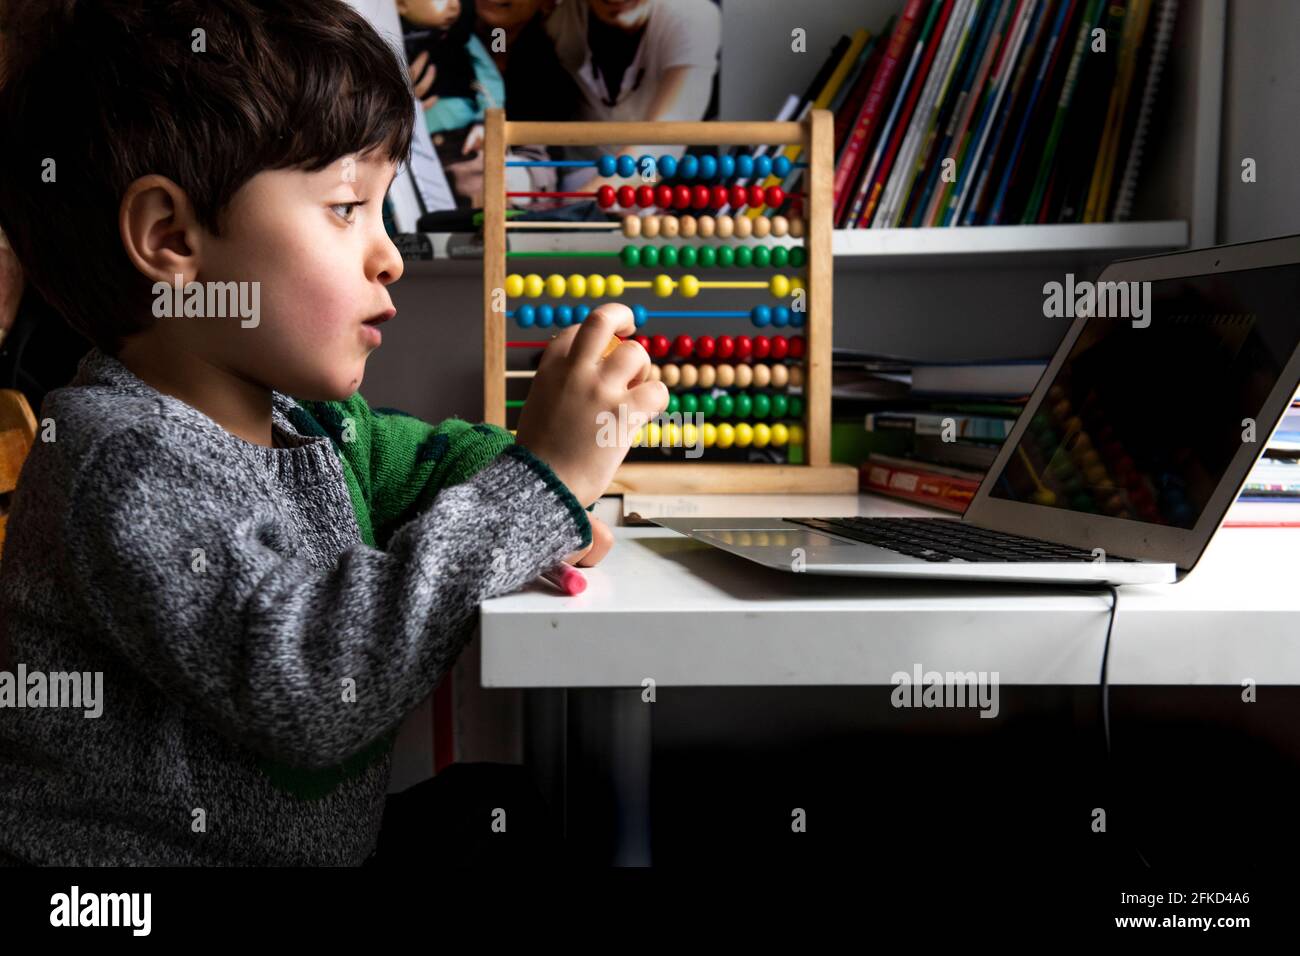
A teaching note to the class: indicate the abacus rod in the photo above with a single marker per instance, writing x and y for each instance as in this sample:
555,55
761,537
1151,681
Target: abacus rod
589,163
671,133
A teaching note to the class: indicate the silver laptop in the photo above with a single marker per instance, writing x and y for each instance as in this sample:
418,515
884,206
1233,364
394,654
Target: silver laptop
1136,440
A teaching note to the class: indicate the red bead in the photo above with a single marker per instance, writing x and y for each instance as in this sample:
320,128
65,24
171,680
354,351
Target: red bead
626,196
796,347
775,196
682,197
780,346
762,346
738,196
726,346
700,197
659,346
683,346
643,341
744,348
645,196
664,197
718,196
705,346
756,195
605,197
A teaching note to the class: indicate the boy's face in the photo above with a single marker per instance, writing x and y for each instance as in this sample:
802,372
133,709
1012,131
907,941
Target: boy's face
435,14
315,243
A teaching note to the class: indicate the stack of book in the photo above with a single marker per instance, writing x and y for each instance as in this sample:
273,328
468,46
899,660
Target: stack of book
981,112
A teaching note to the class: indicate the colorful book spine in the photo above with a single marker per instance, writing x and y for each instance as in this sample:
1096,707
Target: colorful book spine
1099,190
918,484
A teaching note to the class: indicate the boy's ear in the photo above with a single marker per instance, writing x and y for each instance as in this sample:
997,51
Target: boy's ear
160,232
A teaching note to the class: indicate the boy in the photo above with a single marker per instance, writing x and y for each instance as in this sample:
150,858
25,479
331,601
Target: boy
264,586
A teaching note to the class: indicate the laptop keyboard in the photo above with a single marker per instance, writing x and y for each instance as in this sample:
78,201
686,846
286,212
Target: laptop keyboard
944,540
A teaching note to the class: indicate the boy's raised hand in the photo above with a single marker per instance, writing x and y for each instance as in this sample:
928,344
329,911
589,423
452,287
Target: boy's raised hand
572,417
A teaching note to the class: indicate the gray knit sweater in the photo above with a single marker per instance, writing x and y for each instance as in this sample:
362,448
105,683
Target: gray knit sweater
256,654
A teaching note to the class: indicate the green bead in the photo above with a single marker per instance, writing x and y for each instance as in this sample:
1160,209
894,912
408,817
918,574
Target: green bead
744,405
744,256
674,403
668,257
762,256
780,406
796,406
780,256
762,405
650,257
798,256
690,404
686,258
708,257
708,407
631,257
726,406
726,256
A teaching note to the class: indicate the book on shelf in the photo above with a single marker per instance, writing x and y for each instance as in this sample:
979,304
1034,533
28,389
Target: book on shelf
940,487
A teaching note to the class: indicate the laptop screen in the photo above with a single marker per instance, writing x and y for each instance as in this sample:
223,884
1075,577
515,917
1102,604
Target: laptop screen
1141,423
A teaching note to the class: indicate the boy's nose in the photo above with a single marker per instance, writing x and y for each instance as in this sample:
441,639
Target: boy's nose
387,263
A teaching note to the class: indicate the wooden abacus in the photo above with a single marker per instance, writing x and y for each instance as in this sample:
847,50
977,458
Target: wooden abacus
762,360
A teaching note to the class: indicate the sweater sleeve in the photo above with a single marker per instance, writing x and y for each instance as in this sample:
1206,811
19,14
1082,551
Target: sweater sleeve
194,574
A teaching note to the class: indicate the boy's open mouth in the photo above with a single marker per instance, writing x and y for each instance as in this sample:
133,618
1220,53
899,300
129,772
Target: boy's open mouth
381,317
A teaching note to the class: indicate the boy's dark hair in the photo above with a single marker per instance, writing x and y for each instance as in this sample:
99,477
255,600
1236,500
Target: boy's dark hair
112,90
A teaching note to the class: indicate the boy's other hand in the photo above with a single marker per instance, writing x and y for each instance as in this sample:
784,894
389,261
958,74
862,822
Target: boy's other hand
572,417
602,540
422,84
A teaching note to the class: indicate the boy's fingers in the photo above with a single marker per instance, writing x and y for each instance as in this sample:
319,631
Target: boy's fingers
627,364
559,347
612,318
602,539
649,399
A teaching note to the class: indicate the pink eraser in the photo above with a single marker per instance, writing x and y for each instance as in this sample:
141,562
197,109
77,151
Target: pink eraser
567,578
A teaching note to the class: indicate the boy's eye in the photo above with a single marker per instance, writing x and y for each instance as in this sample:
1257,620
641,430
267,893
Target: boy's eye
349,210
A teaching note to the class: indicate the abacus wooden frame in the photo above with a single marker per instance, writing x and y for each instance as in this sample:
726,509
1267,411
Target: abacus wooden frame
815,135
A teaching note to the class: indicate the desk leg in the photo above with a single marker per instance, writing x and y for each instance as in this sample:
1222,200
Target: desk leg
590,750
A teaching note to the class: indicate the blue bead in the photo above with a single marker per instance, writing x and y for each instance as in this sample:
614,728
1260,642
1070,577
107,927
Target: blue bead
796,319
781,166
708,167
780,316
526,315
763,167
667,166
606,165
581,312
646,166
626,166
688,168
564,315
744,166
761,315
639,315
545,316
727,166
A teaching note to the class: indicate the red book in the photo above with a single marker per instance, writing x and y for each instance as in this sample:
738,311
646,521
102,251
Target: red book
917,482
849,166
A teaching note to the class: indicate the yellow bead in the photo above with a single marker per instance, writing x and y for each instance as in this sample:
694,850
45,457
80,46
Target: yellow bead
687,226
744,435
669,227
650,227
744,376
673,435
534,285
779,286
762,227
762,376
796,434
726,435
614,286
726,376
690,435
556,286
690,376
780,435
707,226
639,437
663,286
780,226
726,227
514,285
596,286
577,286
655,436
672,375
744,226
708,375
632,226
710,433
689,286
780,376
762,435
796,282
